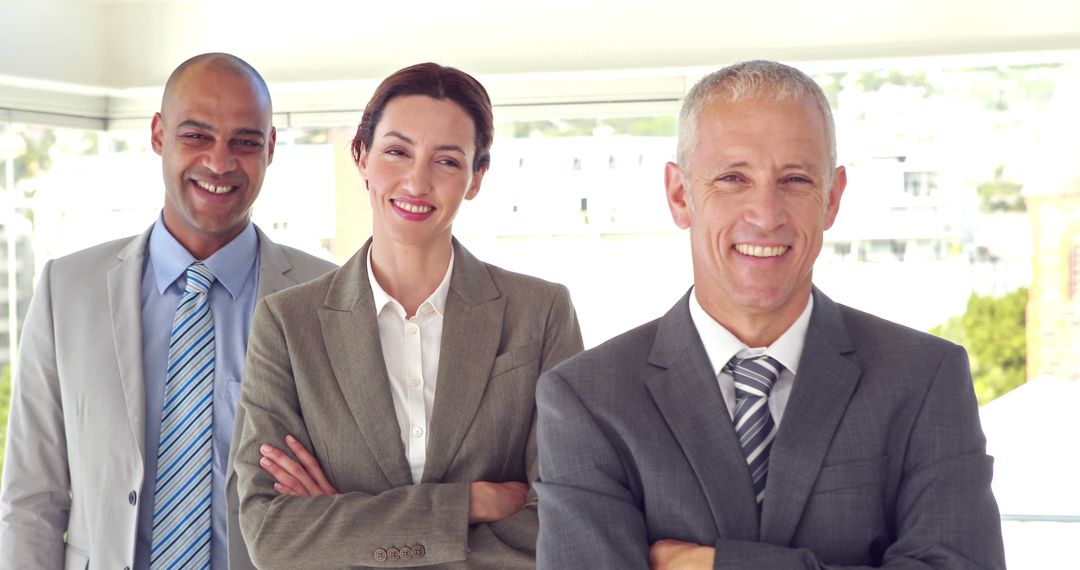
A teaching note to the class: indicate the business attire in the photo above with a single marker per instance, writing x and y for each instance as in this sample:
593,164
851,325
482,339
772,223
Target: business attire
316,369
86,412
878,460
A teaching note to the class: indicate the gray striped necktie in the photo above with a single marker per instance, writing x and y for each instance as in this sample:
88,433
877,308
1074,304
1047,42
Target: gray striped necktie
182,489
754,378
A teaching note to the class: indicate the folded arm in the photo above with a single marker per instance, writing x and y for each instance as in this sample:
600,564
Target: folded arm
304,477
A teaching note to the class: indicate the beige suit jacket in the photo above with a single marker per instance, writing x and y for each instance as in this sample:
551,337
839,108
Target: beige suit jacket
74,461
315,370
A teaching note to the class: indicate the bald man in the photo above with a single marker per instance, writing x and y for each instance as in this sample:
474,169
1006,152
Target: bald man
132,352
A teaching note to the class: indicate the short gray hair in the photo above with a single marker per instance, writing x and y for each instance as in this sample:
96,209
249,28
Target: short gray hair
749,80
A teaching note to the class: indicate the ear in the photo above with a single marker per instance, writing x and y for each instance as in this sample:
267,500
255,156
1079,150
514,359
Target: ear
835,193
270,146
361,163
474,186
157,132
678,195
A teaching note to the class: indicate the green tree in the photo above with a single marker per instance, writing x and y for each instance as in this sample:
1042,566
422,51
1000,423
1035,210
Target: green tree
871,81
5,404
1000,195
993,332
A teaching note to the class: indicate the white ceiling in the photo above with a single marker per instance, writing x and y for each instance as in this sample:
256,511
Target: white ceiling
96,59
136,43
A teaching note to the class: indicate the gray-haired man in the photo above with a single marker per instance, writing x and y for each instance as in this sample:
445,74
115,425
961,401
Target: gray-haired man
758,424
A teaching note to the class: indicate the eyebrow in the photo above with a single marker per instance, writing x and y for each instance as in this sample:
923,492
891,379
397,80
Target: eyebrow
787,166
207,127
445,147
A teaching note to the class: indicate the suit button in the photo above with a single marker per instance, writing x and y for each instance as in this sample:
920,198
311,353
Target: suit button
380,555
418,551
405,552
131,497
392,553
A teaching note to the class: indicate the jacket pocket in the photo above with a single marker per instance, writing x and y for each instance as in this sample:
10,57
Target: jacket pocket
75,559
861,473
515,358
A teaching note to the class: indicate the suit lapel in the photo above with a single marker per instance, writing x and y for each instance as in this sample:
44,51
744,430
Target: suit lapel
822,390
688,397
351,335
472,328
124,281
273,267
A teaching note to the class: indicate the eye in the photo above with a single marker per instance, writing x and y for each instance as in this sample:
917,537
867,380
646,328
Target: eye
453,163
729,178
394,151
194,136
798,179
248,144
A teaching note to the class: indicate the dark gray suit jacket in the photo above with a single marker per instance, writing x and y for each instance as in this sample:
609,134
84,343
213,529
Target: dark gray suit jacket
315,369
879,459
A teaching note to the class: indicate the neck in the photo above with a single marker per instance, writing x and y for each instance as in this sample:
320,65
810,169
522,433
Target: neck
755,328
409,273
202,246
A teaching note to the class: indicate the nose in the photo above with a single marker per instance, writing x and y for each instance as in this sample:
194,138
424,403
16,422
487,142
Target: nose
765,207
418,179
219,158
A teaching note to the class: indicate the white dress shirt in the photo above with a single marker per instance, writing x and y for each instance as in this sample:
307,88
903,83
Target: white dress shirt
721,346
410,348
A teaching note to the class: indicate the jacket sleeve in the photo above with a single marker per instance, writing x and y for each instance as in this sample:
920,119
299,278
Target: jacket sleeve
562,339
589,516
35,497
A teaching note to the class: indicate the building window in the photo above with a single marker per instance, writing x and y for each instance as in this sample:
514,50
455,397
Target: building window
920,183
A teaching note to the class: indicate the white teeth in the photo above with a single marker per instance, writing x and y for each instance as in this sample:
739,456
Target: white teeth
212,188
413,208
760,251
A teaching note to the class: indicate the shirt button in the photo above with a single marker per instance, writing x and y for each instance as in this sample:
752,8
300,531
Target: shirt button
415,381
418,432
411,329
132,497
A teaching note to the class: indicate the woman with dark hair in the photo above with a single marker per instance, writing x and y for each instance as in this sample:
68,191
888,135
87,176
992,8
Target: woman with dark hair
402,384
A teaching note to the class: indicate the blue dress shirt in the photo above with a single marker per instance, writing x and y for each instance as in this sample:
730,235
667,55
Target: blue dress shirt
232,300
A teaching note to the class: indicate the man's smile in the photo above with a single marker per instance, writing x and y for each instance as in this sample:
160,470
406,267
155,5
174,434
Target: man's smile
761,250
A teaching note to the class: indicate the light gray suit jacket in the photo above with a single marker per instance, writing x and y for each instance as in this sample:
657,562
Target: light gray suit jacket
315,369
879,459
74,459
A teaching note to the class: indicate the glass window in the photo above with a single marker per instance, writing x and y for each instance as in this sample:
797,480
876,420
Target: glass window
951,222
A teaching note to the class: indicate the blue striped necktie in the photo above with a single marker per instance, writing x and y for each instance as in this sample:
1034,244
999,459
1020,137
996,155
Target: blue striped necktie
754,378
182,489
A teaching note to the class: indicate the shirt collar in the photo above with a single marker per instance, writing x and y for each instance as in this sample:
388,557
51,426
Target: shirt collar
435,302
230,265
721,345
